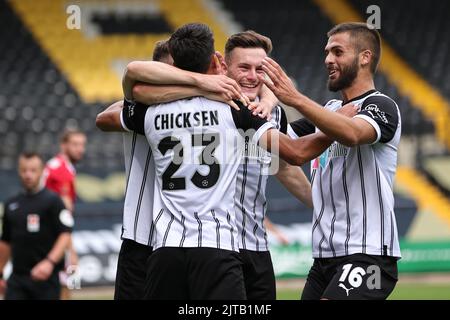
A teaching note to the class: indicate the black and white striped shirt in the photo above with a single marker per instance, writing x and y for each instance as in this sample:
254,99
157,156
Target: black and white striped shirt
197,151
140,175
353,187
250,199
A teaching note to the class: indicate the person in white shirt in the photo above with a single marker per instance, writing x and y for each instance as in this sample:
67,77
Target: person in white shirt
354,232
244,52
194,233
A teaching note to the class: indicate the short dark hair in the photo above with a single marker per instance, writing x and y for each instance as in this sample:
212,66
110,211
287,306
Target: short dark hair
192,46
363,38
68,133
248,39
161,50
31,154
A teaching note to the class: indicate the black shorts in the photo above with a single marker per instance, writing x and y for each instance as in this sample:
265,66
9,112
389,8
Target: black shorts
194,274
259,276
131,270
354,277
22,287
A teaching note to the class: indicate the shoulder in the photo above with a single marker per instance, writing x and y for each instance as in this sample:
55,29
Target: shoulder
54,163
279,118
380,100
12,200
135,105
276,113
333,104
242,112
208,102
383,114
278,110
332,101
197,103
50,195
380,105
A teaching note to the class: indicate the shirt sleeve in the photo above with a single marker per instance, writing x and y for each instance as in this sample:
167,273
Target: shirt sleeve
381,112
279,119
132,116
300,128
6,229
62,218
245,120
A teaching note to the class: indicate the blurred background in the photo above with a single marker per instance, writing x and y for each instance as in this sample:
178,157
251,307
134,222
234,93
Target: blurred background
53,77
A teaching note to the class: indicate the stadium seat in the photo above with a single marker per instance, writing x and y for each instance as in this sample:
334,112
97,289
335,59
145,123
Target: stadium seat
298,30
37,102
421,41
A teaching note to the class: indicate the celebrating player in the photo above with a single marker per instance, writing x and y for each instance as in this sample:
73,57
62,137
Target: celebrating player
354,224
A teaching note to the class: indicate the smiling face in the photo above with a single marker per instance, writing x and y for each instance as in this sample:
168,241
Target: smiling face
342,61
244,65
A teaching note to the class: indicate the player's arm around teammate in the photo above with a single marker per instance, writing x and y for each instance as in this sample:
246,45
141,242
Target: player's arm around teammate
148,93
241,64
294,151
157,73
219,90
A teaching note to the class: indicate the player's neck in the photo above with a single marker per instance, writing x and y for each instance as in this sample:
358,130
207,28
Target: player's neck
359,87
65,157
34,189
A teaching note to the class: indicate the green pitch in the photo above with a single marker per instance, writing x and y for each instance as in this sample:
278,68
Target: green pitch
401,292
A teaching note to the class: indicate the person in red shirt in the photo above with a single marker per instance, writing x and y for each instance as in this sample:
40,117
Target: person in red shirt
59,176
60,172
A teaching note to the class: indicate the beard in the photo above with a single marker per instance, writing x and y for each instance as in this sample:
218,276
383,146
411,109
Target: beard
74,158
347,75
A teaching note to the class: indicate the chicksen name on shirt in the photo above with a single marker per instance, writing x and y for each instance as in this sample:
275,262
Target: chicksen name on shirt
167,121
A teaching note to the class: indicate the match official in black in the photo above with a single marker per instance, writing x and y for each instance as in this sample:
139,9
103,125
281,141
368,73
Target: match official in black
36,232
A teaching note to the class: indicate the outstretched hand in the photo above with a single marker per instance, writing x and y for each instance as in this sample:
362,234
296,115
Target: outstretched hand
221,97
280,84
223,86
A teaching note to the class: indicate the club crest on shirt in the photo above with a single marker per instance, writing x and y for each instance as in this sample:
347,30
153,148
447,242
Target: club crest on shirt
337,150
33,222
13,206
